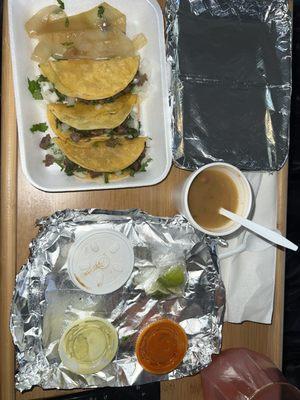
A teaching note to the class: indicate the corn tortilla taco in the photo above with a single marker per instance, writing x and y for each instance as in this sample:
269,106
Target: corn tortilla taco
91,79
110,155
89,116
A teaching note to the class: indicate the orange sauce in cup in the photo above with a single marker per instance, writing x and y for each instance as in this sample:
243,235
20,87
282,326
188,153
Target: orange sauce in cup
161,347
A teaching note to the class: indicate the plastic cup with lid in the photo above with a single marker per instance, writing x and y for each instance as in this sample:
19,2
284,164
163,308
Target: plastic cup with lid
100,261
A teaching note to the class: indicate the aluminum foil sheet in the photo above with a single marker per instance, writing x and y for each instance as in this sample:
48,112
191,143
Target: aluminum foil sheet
230,81
46,301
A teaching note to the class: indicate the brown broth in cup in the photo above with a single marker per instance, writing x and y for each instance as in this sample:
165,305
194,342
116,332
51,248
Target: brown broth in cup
211,190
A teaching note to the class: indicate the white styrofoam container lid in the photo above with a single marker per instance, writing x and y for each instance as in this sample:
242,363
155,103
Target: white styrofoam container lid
101,261
142,16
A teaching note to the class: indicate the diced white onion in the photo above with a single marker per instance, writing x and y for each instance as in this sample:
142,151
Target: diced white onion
71,101
46,86
64,127
47,92
134,123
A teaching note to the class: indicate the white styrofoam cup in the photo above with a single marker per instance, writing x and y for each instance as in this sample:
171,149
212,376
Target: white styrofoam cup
244,201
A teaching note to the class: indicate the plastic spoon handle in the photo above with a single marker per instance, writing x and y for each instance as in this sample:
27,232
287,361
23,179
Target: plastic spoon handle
260,230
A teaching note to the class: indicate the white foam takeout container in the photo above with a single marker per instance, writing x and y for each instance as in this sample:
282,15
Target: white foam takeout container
142,16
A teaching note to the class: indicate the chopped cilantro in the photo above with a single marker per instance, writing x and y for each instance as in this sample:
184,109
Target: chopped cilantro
42,127
125,339
100,11
61,4
145,165
66,165
35,89
61,97
67,22
59,163
70,167
69,170
42,78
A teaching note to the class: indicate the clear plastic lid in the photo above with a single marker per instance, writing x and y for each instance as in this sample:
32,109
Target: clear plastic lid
88,345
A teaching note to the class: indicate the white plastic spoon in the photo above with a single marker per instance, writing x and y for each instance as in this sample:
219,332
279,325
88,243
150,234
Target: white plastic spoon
260,230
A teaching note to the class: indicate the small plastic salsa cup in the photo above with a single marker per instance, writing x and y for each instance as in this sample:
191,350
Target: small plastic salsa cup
88,345
161,347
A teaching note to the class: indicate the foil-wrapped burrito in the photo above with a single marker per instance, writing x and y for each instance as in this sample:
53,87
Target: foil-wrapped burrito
94,286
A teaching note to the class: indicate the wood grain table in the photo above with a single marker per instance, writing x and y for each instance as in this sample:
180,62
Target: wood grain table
22,204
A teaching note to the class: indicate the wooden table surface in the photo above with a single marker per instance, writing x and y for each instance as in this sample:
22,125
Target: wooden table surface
22,204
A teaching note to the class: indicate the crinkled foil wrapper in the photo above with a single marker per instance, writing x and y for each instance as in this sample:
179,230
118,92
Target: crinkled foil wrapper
230,65
46,301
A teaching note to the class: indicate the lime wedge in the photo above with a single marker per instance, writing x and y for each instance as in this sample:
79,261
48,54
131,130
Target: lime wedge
158,291
173,277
